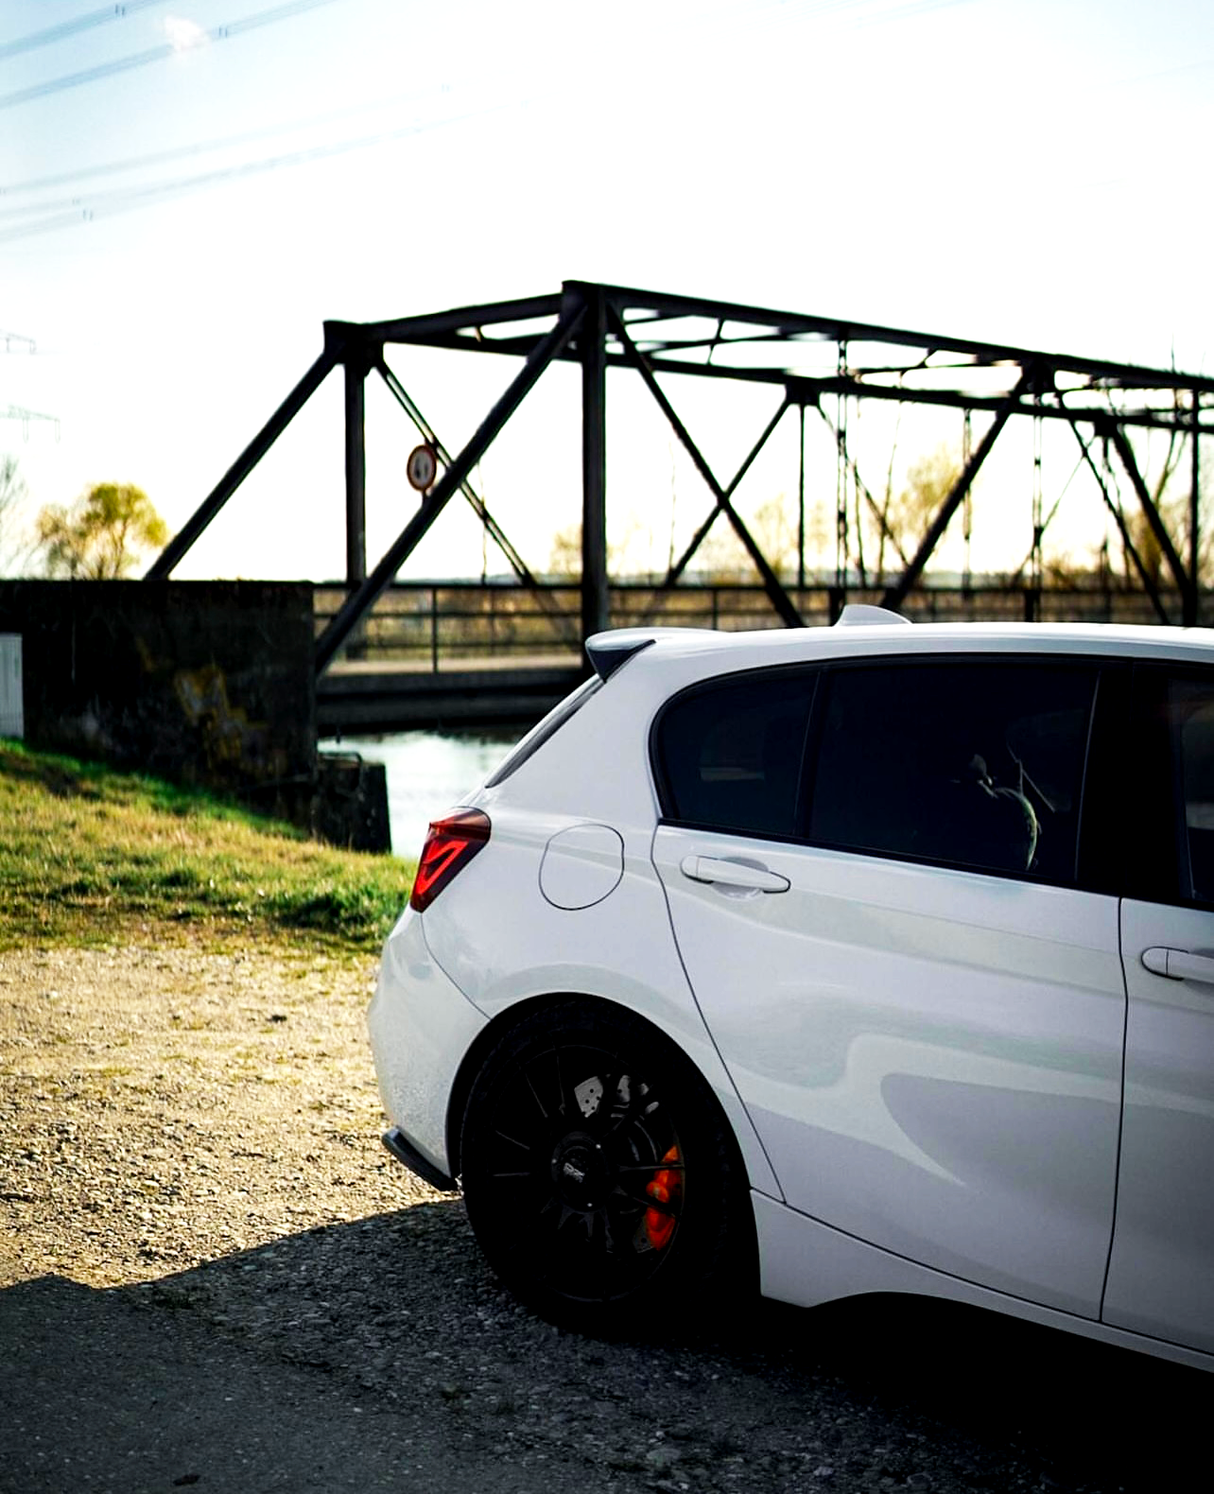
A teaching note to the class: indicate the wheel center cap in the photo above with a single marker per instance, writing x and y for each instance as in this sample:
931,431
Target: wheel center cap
579,1170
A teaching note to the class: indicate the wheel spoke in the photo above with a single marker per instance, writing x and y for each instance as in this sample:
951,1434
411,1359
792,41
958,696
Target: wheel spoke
523,1146
640,1106
607,1258
564,1086
521,1119
643,1200
535,1095
549,1206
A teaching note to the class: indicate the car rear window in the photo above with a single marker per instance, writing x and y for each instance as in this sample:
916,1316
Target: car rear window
729,754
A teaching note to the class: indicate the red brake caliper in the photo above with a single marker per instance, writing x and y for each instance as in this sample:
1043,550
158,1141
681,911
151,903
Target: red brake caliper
666,1188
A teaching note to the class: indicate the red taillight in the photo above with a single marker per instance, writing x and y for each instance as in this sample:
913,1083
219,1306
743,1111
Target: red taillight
450,844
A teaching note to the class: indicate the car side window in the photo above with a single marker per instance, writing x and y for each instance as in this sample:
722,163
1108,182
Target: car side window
728,755
1191,720
973,764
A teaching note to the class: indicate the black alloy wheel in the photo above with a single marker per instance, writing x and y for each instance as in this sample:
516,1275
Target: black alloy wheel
599,1174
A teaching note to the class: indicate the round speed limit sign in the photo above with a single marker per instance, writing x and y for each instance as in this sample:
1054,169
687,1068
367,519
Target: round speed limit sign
422,467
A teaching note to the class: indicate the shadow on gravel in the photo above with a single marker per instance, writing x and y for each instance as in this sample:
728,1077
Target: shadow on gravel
1084,1413
381,1353
100,1395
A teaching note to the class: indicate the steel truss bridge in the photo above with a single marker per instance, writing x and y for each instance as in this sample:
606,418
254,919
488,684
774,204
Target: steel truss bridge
817,367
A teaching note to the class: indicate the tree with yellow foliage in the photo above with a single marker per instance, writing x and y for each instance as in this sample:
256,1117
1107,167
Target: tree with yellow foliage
103,535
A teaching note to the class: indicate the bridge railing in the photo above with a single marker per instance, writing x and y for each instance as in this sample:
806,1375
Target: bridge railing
436,625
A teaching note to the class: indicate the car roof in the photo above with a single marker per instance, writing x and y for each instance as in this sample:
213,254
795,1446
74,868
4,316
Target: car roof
869,631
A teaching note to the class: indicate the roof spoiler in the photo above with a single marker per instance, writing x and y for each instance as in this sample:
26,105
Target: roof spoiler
861,615
608,651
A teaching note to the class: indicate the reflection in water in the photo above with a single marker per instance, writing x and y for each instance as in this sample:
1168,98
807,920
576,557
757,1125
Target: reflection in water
427,774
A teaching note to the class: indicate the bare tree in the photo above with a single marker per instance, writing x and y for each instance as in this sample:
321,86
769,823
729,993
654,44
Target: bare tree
565,556
1173,510
907,515
12,497
774,529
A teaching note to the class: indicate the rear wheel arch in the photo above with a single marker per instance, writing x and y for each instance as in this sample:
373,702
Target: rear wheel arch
719,1254
473,1060
521,1012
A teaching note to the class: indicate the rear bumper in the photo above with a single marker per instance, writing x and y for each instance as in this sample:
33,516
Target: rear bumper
408,1154
421,1026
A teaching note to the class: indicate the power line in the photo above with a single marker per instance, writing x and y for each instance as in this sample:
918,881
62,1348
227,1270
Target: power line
67,211
184,152
158,54
125,198
883,11
65,29
161,157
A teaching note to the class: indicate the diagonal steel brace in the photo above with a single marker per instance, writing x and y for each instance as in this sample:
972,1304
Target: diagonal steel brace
780,599
363,598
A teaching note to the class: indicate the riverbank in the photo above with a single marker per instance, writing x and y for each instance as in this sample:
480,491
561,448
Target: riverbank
89,856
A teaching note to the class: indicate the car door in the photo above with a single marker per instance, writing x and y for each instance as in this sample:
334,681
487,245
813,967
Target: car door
1161,1270
874,896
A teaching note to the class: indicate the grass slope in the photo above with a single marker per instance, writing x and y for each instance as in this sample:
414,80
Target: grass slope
90,856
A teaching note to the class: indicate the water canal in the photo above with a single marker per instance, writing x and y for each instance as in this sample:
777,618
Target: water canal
428,772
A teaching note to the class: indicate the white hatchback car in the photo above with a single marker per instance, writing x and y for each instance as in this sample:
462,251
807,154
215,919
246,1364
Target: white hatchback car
870,958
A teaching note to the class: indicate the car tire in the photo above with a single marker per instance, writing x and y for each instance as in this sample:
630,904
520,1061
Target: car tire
601,1178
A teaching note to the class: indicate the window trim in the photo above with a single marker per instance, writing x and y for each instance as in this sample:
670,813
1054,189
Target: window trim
1102,863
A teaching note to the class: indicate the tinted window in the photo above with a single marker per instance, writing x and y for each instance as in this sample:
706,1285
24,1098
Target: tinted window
979,765
1191,717
729,754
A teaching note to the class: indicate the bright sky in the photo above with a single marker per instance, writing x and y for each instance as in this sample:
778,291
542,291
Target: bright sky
188,189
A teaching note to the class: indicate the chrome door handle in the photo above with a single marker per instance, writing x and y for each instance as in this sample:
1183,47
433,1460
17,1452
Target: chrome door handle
733,874
1179,964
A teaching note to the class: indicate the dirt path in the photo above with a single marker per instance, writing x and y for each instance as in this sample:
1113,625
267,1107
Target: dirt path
211,1275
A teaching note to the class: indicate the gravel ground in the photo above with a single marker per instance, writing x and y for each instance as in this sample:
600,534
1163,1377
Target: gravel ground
211,1275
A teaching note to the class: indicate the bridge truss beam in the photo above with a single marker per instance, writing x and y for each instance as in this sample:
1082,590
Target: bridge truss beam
806,359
